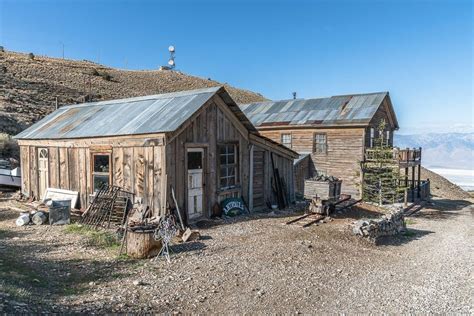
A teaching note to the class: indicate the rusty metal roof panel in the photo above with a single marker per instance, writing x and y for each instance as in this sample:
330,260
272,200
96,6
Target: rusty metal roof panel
142,115
336,110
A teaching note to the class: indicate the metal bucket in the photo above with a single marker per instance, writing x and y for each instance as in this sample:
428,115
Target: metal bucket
60,212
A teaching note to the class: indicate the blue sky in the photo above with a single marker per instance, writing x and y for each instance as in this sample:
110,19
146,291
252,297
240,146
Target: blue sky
420,51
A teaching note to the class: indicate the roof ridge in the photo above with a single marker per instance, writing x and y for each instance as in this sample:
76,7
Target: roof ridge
144,98
317,98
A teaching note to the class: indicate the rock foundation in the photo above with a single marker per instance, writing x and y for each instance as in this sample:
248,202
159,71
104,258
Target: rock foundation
388,225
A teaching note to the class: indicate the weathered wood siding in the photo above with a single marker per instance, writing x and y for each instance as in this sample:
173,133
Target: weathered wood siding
303,169
382,113
214,124
136,165
151,165
345,148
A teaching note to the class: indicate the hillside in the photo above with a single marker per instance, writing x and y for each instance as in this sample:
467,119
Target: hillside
29,87
442,187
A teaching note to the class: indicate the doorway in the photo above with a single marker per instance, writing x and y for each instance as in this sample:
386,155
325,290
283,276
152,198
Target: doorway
195,166
43,172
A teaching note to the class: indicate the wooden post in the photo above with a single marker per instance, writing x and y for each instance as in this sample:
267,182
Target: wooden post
406,177
412,186
405,198
142,245
419,181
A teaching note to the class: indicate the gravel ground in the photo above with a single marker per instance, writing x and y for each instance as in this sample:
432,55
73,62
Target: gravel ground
249,265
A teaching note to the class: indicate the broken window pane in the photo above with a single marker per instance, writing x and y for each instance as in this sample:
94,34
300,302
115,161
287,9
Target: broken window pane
100,180
101,163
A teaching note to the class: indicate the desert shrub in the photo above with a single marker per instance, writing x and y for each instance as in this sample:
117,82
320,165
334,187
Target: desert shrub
31,56
9,147
94,72
106,76
2,49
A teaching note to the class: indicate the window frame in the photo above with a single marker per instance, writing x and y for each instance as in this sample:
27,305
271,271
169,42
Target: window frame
371,137
234,165
315,144
97,173
291,139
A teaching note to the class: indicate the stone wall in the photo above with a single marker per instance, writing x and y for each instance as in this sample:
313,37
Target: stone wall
387,225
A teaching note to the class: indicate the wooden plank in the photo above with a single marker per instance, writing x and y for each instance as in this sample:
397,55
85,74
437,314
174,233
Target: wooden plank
53,167
74,171
212,158
33,172
157,207
139,171
117,163
127,169
149,173
82,176
25,170
100,143
63,168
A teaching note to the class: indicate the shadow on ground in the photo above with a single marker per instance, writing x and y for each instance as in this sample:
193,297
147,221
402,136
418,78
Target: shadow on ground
409,235
440,209
26,276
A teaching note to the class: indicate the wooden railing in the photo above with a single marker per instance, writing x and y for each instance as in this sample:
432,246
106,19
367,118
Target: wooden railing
409,155
416,189
402,156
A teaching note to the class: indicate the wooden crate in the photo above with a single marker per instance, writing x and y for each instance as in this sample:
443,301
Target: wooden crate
325,190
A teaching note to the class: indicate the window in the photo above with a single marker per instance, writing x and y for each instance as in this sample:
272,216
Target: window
320,144
100,170
372,136
388,138
286,140
228,170
43,153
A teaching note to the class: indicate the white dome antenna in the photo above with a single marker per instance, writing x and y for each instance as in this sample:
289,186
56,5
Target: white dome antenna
171,62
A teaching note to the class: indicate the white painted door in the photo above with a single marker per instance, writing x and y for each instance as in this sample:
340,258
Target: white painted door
43,171
195,184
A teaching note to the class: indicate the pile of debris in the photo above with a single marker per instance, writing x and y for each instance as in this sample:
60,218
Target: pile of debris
324,178
110,205
388,225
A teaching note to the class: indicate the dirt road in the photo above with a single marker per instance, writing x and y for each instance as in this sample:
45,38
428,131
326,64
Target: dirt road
253,265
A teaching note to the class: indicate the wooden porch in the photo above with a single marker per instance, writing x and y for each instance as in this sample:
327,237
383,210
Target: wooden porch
405,158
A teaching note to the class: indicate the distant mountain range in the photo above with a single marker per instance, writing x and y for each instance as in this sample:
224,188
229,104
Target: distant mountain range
442,150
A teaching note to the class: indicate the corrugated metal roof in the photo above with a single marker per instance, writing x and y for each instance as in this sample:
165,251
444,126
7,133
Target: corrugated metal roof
336,110
141,115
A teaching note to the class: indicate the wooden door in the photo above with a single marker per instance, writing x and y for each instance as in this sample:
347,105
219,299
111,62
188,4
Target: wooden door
43,171
195,166
258,179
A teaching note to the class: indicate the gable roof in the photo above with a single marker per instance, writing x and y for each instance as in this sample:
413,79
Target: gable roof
344,110
141,115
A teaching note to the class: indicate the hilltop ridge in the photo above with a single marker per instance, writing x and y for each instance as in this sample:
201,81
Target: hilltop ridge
29,87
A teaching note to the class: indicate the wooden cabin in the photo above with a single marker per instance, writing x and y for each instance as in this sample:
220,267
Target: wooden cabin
331,134
197,143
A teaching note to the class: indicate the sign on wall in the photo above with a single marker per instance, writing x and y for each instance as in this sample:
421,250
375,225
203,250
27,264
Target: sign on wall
232,206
